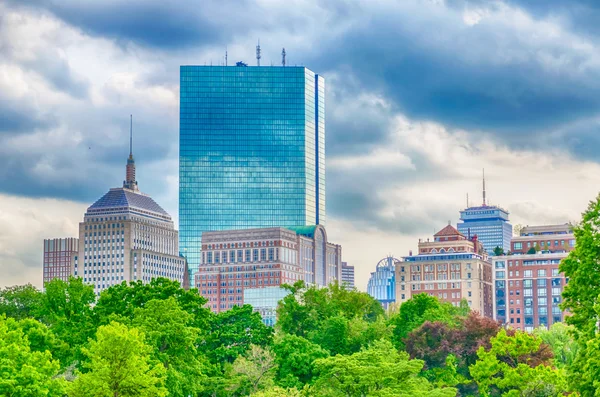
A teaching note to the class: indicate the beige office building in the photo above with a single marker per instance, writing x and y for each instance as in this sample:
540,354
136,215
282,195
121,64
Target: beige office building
450,267
127,236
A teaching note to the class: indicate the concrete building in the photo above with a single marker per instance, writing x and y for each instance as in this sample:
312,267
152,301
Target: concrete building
126,236
252,150
235,260
60,254
489,222
528,287
347,275
382,283
450,267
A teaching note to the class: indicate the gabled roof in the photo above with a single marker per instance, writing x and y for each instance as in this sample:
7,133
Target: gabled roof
121,197
448,231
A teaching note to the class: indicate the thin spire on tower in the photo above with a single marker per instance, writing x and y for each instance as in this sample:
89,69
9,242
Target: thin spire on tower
484,187
130,135
130,182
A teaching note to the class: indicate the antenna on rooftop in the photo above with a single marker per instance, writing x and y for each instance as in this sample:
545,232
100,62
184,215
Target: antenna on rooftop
283,56
467,200
225,56
258,53
130,135
484,187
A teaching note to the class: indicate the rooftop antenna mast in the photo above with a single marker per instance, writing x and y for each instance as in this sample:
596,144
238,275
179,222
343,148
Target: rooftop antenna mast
130,135
225,56
484,187
467,200
283,56
258,53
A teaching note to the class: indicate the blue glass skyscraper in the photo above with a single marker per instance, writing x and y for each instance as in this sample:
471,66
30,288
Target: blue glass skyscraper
252,150
489,223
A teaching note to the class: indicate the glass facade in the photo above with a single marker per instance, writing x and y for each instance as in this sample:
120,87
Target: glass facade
252,150
382,284
490,224
265,301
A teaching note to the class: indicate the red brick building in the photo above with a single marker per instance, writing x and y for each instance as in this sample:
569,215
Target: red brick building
59,255
528,287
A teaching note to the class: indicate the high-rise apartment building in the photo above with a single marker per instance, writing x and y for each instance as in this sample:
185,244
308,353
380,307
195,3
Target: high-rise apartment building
59,256
489,222
233,261
126,236
252,150
451,267
528,285
347,275
382,283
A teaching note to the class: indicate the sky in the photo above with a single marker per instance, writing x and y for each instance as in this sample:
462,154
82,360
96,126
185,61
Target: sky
421,96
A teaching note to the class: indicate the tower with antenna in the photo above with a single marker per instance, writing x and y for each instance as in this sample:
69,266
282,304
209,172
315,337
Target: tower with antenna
283,56
130,182
258,56
489,222
225,56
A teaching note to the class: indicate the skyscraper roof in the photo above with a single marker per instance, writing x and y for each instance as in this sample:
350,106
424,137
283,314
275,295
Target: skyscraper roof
121,198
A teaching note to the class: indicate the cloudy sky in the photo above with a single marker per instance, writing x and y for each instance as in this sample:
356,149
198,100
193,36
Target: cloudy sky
422,94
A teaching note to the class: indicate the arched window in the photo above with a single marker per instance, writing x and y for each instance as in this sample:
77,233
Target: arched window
442,251
433,251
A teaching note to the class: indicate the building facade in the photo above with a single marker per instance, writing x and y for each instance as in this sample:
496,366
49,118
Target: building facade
528,286
60,254
382,283
126,236
252,150
451,267
235,260
347,275
264,301
490,224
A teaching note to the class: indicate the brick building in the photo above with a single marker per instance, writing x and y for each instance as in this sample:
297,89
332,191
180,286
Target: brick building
450,267
235,260
528,287
59,256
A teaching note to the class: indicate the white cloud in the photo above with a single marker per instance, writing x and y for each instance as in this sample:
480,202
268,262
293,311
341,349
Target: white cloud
24,224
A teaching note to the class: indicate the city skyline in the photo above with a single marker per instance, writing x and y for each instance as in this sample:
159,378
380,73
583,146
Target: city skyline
409,126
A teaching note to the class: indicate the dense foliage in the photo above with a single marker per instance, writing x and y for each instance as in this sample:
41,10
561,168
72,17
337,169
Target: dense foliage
158,339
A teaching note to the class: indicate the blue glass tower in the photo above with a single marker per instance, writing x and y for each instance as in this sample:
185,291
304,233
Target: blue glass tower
382,284
489,223
252,150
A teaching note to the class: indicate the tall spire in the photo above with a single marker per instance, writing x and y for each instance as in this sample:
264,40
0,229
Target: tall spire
130,136
130,182
484,204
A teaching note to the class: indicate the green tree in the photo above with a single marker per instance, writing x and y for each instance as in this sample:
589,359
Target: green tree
232,332
295,358
278,392
169,331
498,251
375,371
560,339
253,371
24,372
581,297
532,251
511,367
119,365
339,320
66,308
120,301
20,301
420,308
